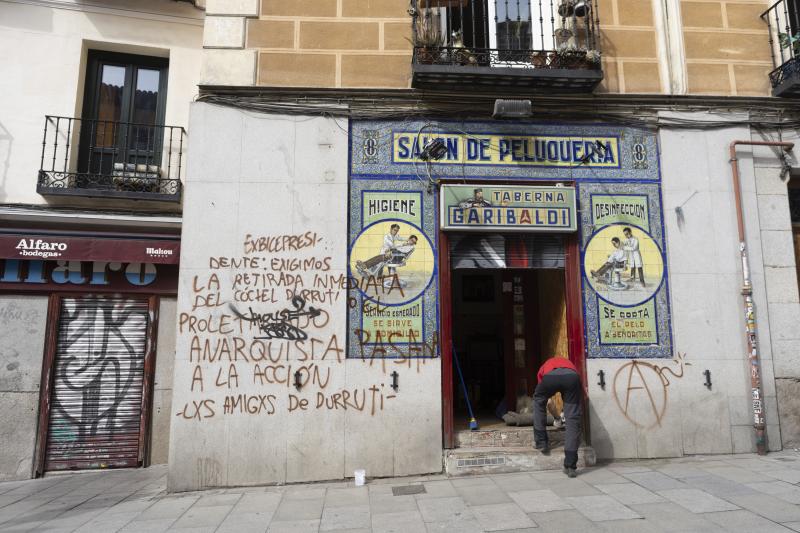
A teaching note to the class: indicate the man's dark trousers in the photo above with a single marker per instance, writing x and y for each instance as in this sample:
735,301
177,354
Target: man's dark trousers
568,383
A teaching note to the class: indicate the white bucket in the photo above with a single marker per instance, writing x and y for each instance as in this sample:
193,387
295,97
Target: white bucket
361,476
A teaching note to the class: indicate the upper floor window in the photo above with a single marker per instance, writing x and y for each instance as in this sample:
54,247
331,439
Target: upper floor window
124,102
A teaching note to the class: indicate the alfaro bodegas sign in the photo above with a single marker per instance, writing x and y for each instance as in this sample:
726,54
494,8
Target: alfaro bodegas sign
89,248
73,263
508,208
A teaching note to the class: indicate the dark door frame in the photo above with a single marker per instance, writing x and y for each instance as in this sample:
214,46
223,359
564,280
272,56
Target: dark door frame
46,387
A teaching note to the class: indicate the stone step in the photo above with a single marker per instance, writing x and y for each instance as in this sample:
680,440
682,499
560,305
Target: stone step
504,437
497,460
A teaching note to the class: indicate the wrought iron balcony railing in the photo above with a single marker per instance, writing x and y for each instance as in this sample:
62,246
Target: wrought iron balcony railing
527,44
783,21
111,159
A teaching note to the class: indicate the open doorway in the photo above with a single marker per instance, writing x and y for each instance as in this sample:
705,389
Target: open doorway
509,314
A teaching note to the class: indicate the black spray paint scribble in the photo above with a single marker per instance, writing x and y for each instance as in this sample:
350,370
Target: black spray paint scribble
278,324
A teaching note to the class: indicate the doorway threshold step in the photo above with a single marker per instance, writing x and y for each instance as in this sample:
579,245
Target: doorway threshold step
500,460
511,437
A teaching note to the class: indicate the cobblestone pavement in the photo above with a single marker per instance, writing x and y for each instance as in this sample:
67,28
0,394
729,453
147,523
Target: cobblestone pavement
740,493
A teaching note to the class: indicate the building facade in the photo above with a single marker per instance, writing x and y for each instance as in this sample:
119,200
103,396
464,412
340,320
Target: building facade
381,239
93,145
358,223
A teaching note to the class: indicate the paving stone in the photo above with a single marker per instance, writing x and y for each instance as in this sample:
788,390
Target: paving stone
767,506
655,480
345,517
744,521
148,526
739,475
443,510
561,521
697,501
294,526
107,522
472,481
463,525
604,476
539,501
517,482
388,504
671,517
681,470
787,475
630,493
219,499
772,487
198,516
349,496
245,522
168,508
720,487
297,510
398,522
482,494
793,526
305,493
637,525
438,489
600,508
623,469
258,502
564,486
501,516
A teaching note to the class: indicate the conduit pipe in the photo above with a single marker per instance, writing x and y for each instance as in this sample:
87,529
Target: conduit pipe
757,393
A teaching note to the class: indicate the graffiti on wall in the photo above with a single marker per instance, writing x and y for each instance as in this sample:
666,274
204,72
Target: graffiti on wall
262,333
641,390
98,374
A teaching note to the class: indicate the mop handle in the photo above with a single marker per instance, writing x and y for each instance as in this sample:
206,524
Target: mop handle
463,383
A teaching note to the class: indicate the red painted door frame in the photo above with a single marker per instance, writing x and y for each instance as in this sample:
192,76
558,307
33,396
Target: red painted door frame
575,340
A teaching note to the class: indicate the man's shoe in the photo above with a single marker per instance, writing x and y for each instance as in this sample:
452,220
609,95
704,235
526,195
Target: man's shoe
570,472
544,448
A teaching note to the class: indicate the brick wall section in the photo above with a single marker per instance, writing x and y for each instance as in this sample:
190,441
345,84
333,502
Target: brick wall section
364,43
332,43
628,45
727,47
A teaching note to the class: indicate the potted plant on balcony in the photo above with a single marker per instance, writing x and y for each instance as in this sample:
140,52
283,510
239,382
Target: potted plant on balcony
428,38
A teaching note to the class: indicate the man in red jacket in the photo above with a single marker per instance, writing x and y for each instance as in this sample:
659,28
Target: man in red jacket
558,374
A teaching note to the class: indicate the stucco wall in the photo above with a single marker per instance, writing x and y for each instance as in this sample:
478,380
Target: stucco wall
44,63
657,413
23,321
162,386
780,276
252,176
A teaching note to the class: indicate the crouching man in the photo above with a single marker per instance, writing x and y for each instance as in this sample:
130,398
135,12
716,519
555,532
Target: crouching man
558,374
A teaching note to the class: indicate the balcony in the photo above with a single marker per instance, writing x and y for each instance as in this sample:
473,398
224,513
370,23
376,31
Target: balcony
514,45
783,21
111,159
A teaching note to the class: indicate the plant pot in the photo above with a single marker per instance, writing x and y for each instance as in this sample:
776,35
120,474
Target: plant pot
566,8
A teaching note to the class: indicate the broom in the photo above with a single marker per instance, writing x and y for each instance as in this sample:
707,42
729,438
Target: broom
473,424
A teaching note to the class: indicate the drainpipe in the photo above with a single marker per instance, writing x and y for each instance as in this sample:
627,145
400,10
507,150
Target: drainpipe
757,393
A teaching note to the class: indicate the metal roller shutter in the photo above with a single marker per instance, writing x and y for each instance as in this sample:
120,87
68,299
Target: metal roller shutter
98,377
491,250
